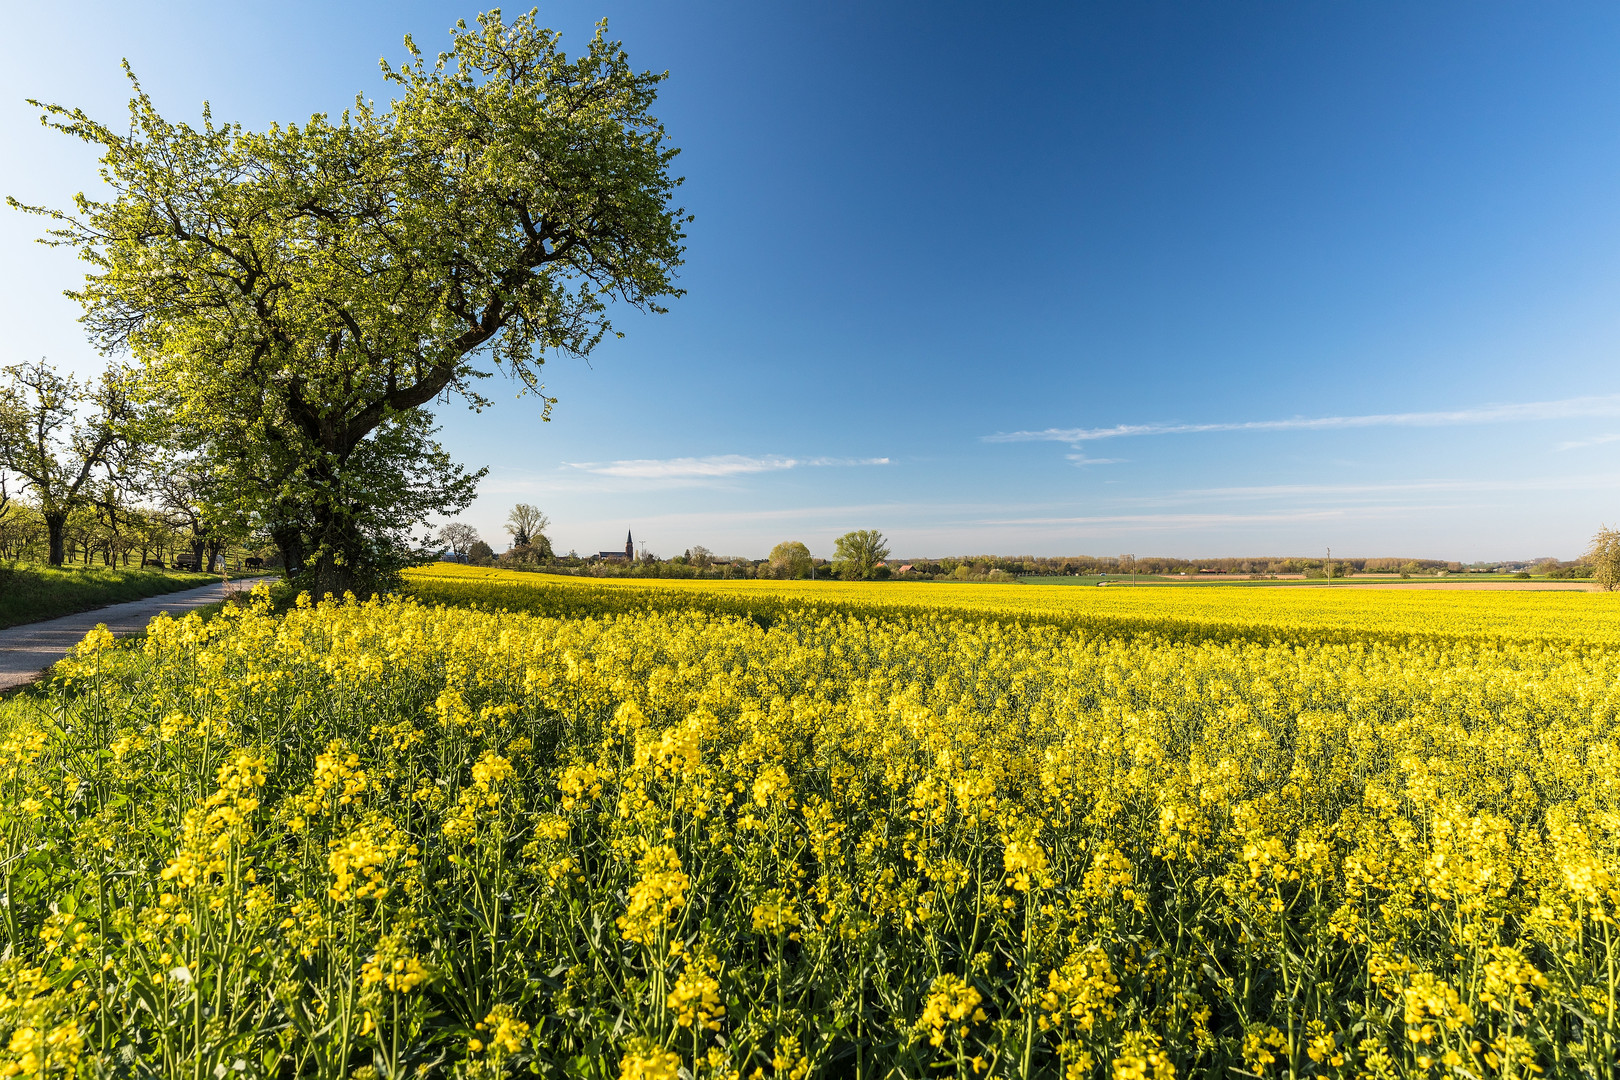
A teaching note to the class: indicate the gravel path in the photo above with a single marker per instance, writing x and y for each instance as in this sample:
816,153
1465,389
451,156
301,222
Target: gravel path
27,650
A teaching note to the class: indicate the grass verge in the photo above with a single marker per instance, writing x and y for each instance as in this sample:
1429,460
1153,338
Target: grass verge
30,592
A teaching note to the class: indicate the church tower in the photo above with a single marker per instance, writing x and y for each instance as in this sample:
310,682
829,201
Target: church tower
629,547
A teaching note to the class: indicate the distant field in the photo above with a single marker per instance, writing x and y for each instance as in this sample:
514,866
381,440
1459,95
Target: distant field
1097,579
30,592
1455,581
1204,612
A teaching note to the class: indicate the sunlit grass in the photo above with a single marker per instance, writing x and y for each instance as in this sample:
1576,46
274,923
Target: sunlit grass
34,591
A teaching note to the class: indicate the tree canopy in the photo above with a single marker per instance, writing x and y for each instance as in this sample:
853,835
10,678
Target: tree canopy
1604,555
525,522
296,297
857,554
791,559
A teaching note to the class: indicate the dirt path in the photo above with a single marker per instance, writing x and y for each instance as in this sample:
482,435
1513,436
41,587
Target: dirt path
27,650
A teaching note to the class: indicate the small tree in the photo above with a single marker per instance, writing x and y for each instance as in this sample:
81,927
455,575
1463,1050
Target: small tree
1604,558
57,454
480,554
858,554
459,537
526,523
700,556
790,559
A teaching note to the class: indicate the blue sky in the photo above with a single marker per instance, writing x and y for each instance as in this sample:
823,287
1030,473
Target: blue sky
1187,279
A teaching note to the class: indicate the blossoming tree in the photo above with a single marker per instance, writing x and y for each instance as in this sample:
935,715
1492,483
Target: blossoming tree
296,297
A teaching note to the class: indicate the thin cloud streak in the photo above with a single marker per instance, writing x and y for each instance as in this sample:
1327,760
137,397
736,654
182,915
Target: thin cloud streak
1175,522
1594,482
1568,408
1582,444
720,465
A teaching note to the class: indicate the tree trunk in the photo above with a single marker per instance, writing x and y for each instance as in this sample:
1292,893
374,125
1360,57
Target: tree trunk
332,578
289,540
338,550
213,556
55,524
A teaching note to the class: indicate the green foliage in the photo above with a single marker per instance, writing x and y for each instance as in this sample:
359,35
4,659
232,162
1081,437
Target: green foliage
791,559
857,554
297,296
54,451
1604,557
30,592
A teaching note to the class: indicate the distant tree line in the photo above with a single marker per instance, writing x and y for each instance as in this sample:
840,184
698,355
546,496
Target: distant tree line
123,536
858,556
1096,565
863,555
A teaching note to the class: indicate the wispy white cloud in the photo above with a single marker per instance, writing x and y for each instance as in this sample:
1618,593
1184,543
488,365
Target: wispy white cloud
1082,460
1568,408
1596,440
1588,482
716,466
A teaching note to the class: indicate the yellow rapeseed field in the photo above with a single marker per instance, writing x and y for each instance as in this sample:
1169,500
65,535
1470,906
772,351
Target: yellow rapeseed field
1307,613
683,830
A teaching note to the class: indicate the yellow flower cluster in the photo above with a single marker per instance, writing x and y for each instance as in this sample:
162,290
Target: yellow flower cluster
649,1063
43,1036
502,1033
952,1005
695,1000
358,860
1117,836
657,894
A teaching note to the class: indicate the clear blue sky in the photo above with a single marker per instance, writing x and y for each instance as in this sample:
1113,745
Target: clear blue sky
1189,279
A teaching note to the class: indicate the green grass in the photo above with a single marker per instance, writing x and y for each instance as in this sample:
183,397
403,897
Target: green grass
30,592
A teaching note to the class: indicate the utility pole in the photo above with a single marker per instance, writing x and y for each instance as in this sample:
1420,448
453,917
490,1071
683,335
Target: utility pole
1327,567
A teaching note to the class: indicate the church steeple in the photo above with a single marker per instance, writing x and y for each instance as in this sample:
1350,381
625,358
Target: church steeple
629,546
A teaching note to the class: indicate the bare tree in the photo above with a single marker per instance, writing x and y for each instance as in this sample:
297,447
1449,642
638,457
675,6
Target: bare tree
459,537
700,556
525,523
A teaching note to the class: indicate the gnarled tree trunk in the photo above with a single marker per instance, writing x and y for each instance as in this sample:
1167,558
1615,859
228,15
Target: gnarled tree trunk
55,527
